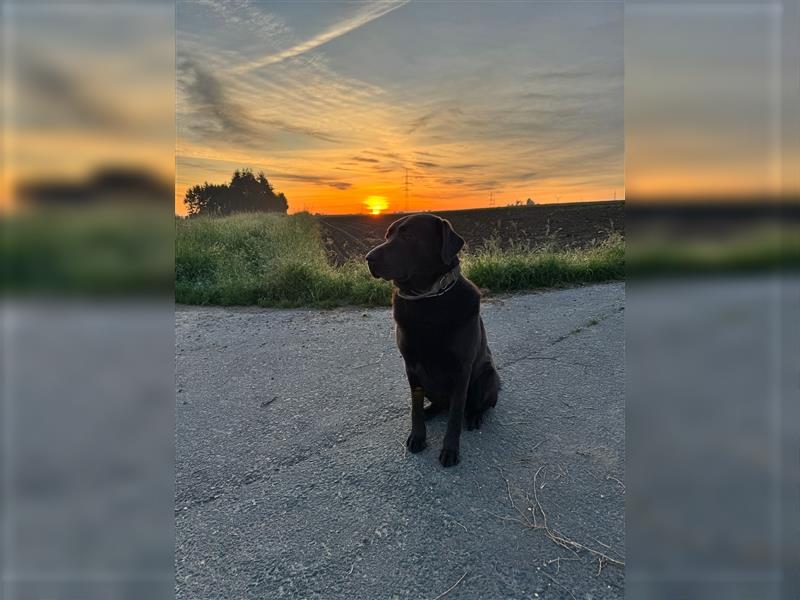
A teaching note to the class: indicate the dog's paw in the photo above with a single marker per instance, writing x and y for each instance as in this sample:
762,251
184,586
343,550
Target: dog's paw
415,443
474,421
448,457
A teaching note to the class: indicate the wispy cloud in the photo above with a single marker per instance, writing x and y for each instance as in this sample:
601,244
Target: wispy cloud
424,164
215,112
420,121
244,14
313,179
441,113
309,131
369,12
383,153
335,123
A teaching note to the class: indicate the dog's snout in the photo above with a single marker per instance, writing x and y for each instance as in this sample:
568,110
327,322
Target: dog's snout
374,261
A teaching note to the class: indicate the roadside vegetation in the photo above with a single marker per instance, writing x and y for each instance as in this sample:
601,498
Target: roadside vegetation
266,260
523,267
280,261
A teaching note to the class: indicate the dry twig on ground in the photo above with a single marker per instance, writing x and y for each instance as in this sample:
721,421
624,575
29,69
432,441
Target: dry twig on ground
555,536
452,587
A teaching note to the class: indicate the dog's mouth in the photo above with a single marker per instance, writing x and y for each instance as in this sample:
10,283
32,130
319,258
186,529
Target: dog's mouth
400,281
376,271
397,281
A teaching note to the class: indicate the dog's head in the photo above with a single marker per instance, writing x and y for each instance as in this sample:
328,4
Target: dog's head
418,250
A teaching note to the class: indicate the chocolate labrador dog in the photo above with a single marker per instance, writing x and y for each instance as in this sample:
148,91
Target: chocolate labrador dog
440,332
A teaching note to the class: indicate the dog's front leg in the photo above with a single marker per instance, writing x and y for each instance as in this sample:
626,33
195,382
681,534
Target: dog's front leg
416,440
449,454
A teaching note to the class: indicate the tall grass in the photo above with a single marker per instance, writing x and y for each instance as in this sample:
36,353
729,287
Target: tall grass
274,260
521,267
266,260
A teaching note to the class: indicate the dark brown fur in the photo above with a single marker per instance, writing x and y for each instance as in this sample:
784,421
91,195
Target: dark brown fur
442,338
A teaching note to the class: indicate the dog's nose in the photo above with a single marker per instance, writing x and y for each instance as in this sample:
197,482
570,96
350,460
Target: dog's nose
373,262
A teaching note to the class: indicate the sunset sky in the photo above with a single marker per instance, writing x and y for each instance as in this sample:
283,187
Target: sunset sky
336,102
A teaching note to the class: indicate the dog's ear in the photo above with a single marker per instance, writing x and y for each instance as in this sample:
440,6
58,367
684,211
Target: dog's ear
451,242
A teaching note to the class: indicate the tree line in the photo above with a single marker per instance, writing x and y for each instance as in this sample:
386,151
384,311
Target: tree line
245,193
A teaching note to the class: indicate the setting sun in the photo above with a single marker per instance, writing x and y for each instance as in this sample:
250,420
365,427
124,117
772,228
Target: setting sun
376,204
346,137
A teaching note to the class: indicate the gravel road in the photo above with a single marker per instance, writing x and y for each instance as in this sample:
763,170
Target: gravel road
292,480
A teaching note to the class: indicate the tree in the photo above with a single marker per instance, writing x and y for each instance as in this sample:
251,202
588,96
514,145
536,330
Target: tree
245,193
530,202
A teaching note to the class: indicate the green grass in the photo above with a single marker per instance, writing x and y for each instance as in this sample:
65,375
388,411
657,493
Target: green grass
274,260
520,267
265,260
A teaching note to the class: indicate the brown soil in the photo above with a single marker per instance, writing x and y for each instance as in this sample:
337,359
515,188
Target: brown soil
562,225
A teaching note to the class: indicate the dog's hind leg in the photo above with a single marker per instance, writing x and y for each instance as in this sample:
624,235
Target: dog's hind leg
482,395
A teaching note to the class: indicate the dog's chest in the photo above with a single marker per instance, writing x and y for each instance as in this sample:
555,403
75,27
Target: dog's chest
420,338
428,353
